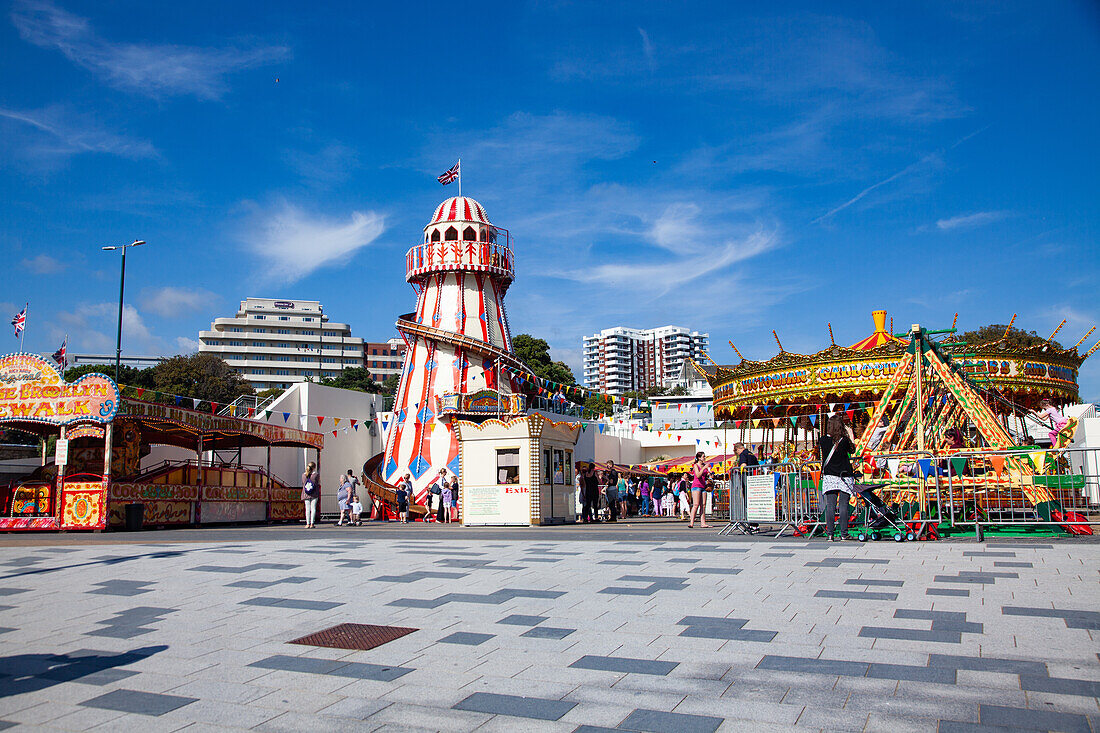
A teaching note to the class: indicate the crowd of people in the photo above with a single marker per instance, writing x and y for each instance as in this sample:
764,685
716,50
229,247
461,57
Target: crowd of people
610,492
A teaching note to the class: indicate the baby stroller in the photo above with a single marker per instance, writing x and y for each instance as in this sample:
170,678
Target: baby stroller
881,521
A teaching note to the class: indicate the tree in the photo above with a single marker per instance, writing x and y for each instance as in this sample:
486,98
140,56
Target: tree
269,393
127,375
357,378
535,353
204,376
1016,336
597,405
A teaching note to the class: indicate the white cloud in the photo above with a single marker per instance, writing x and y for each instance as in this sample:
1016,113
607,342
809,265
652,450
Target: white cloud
968,221
662,276
44,265
293,243
647,48
57,132
330,164
172,302
150,69
187,345
83,323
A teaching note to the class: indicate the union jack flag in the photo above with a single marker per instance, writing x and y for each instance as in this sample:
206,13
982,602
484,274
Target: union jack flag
20,321
60,355
451,175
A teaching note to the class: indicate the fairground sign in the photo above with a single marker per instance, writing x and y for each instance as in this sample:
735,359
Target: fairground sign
31,390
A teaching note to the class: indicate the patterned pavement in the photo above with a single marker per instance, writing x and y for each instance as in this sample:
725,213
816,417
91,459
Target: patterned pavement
545,632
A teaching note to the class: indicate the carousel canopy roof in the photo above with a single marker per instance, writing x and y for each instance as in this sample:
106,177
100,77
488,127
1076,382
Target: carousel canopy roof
170,425
460,208
879,337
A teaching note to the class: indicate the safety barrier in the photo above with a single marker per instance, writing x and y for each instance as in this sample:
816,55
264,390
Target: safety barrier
918,494
1025,488
779,496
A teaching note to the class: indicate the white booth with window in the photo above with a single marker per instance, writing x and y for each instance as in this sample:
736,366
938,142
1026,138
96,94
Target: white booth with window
517,471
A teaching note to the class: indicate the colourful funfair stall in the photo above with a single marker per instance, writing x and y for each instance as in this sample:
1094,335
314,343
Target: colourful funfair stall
101,438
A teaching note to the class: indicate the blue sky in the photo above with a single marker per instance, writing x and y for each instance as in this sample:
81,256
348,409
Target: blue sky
731,167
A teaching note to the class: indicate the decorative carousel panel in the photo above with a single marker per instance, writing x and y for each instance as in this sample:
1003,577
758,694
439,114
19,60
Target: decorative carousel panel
84,506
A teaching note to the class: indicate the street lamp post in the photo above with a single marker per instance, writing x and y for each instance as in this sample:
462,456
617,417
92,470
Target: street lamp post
121,290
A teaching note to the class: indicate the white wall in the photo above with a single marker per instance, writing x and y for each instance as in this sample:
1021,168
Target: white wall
349,448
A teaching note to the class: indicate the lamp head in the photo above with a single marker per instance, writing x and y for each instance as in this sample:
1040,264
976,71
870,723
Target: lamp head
108,249
138,243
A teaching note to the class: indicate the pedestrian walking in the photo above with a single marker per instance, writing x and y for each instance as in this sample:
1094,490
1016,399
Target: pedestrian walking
611,491
591,506
311,493
699,474
343,497
838,483
356,510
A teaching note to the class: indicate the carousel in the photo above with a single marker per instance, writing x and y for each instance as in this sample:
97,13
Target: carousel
793,393
99,439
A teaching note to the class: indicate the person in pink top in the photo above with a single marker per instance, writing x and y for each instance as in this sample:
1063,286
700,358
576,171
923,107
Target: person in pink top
699,473
1057,419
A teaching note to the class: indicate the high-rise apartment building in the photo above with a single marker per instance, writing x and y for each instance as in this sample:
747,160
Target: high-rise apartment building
618,360
384,359
274,343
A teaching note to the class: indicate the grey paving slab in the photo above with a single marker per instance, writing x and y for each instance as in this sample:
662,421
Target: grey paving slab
1074,618
237,570
133,701
624,664
857,595
296,603
872,581
1034,719
467,638
547,632
516,706
519,619
715,571
957,592
658,721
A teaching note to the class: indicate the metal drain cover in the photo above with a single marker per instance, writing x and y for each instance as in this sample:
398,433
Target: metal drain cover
354,636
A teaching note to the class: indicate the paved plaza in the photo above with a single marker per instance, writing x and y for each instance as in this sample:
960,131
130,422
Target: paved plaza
550,629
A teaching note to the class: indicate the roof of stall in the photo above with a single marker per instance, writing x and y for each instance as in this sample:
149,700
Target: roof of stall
169,425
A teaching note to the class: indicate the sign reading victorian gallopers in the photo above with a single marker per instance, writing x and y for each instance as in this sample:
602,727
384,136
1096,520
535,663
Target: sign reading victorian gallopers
31,389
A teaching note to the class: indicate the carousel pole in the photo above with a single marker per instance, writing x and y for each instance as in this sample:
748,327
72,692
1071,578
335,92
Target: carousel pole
918,364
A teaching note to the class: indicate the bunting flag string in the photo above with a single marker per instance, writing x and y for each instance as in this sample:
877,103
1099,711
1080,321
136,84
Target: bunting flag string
235,411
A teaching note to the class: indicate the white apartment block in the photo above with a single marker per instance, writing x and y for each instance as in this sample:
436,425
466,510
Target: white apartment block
618,360
274,343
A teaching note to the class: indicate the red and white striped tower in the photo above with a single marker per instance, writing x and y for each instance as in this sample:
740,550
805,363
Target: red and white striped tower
457,338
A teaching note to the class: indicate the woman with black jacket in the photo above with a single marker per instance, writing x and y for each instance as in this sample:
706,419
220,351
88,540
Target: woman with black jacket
838,481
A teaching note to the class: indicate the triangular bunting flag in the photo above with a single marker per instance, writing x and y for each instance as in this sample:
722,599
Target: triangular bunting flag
334,433
194,403
601,428
998,463
336,421
233,410
353,424
320,419
140,392
286,416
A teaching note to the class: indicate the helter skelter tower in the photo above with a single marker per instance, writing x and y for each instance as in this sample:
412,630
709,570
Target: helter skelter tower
457,340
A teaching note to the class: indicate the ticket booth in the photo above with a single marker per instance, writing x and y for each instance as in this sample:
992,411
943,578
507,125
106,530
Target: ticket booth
516,472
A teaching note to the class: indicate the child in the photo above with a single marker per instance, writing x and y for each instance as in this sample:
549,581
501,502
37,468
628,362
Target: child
356,510
1057,419
403,500
445,506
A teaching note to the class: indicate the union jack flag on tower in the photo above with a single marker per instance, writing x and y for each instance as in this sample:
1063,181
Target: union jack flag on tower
451,175
20,321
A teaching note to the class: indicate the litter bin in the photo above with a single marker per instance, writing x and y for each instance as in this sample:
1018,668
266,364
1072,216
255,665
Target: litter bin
135,517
